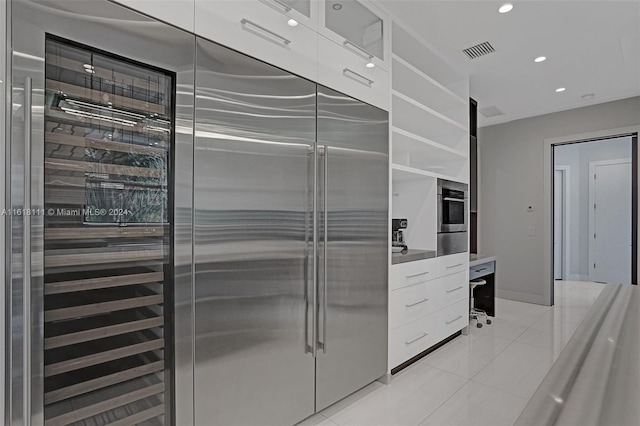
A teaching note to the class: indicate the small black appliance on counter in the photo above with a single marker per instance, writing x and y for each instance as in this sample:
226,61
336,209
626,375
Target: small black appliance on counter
397,235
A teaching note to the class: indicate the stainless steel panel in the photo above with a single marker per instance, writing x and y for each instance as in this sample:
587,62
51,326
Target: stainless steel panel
255,130
102,25
355,337
452,242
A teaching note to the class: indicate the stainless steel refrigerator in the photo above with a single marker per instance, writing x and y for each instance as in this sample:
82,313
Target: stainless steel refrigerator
291,242
207,241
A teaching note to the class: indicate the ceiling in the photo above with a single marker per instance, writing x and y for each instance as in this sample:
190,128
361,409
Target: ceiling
591,47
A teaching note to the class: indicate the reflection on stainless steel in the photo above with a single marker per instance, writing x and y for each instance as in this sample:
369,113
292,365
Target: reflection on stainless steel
595,380
253,241
356,204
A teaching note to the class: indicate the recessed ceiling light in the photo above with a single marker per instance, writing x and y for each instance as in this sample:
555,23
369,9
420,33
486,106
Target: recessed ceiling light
505,8
370,65
292,23
588,96
561,89
337,6
540,59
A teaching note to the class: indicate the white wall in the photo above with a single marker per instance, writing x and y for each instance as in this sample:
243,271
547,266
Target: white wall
577,157
512,178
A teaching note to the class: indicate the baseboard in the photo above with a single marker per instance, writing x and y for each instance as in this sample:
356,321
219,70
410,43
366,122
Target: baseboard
522,297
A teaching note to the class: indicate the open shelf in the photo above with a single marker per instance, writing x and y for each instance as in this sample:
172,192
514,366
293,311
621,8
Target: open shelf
413,83
427,61
418,153
401,173
414,117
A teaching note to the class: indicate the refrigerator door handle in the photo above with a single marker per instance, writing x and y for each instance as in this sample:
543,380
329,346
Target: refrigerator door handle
314,290
26,252
325,232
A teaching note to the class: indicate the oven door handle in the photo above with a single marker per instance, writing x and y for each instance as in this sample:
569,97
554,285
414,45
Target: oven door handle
457,200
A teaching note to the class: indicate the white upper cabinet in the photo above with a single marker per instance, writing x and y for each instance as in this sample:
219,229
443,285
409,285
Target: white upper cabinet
359,27
175,12
263,29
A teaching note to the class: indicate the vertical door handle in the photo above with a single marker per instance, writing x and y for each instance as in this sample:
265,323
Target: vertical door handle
325,200
26,250
314,292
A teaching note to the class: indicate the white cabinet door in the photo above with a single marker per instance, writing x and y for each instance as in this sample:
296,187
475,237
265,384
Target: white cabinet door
261,30
359,27
175,12
409,273
454,288
453,263
452,319
411,339
410,303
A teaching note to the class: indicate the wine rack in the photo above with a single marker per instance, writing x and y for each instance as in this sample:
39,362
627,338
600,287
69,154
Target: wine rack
107,239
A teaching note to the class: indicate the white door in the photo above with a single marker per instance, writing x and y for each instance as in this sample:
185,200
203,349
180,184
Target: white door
611,224
558,224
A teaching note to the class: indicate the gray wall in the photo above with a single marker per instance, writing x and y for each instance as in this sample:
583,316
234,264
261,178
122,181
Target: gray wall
511,180
577,157
3,88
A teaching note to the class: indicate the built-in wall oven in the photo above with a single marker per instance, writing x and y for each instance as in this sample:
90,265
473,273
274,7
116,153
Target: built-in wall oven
453,217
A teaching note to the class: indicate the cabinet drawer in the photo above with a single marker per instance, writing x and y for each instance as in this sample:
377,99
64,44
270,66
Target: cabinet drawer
453,263
410,303
405,274
339,69
481,270
411,339
453,288
258,30
452,319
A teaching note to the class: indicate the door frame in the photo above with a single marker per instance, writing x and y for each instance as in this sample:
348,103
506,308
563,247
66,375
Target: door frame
592,200
547,176
566,219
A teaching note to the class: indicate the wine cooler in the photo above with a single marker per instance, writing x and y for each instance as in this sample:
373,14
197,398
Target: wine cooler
94,147
107,135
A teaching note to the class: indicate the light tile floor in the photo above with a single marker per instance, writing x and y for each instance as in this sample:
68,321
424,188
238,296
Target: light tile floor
485,378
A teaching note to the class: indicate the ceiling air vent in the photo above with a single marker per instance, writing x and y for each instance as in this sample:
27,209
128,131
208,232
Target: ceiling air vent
478,50
490,111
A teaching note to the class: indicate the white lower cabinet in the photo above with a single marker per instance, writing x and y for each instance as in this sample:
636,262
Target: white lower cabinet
345,72
428,302
258,30
454,288
452,319
410,339
412,302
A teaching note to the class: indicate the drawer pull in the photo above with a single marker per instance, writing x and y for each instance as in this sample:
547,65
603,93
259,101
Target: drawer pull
455,289
285,7
358,50
481,269
246,22
358,77
454,320
415,339
455,266
416,303
417,275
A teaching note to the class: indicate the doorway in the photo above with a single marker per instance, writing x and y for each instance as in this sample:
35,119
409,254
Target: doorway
594,211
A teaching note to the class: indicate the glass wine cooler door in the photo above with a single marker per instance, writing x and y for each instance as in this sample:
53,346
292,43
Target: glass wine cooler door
107,238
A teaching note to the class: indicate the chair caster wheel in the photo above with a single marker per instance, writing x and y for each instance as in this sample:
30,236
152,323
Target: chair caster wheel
479,325
488,321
